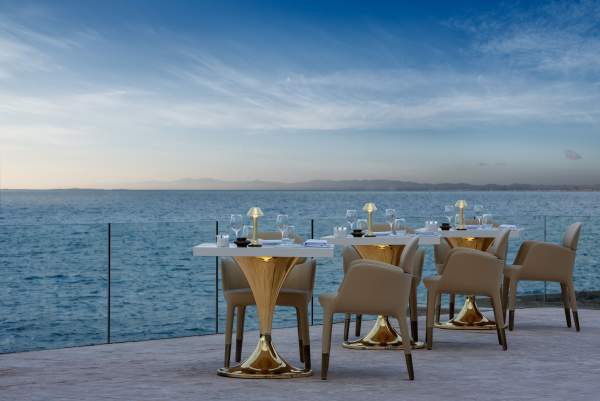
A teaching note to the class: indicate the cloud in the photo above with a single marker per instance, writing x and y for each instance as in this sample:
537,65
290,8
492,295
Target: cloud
572,155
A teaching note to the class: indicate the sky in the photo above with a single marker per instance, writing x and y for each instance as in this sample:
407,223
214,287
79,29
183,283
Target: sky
110,93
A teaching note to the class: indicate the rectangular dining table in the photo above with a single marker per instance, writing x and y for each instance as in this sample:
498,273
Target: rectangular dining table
265,268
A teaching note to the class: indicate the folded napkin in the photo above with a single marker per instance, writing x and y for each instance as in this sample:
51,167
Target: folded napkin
382,233
508,226
316,243
270,241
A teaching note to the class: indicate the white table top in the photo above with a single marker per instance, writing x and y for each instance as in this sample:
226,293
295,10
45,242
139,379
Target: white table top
477,233
300,251
382,240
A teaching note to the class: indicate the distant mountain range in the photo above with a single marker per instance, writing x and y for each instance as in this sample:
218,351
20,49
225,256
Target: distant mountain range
343,185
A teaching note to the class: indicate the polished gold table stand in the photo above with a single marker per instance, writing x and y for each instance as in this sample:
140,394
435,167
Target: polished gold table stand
382,336
265,276
469,317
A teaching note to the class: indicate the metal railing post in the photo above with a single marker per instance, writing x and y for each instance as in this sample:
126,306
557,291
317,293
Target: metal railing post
108,287
545,239
216,284
312,297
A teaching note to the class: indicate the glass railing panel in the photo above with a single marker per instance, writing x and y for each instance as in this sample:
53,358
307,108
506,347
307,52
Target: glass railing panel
53,280
158,288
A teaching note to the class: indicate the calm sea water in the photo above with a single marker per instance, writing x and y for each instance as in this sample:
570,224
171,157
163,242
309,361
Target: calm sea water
54,254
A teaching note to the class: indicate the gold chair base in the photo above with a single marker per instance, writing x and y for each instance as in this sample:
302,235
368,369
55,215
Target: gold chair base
264,363
381,337
469,318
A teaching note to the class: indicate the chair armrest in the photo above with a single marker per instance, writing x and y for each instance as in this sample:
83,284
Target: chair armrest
524,250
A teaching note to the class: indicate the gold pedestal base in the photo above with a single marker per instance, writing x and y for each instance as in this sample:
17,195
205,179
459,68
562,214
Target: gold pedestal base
469,318
381,337
264,363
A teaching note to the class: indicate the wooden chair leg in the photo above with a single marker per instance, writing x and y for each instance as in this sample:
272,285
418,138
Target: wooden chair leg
326,342
414,322
438,308
573,302
565,298
346,326
305,337
239,332
451,304
512,297
431,302
497,306
406,345
228,333
299,327
357,325
505,285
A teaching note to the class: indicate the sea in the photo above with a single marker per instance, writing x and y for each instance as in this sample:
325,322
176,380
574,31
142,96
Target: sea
84,267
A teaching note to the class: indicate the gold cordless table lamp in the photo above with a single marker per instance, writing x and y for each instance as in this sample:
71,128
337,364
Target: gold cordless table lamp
370,208
461,205
254,213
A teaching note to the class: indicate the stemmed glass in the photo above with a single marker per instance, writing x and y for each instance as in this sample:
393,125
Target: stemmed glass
449,210
351,217
487,221
478,209
289,234
247,231
390,216
361,224
282,223
400,226
236,222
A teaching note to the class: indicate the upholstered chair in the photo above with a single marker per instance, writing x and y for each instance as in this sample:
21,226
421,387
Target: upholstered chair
373,288
349,255
542,261
498,248
468,272
296,292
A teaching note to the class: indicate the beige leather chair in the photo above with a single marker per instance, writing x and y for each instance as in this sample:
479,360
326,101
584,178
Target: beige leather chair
542,261
468,272
373,288
349,255
498,248
296,292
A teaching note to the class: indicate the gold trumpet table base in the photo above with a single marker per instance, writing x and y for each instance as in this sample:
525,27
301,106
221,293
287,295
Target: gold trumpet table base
469,318
264,363
381,337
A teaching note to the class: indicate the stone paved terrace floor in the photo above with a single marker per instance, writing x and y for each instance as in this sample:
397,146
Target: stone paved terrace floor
544,361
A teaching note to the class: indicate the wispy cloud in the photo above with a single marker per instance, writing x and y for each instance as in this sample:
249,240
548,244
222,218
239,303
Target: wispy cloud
572,155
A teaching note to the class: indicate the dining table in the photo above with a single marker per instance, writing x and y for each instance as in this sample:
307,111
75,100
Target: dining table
266,268
383,247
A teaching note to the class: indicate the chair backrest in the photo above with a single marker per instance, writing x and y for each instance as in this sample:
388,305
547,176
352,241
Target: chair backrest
302,276
232,277
419,261
372,287
499,247
571,237
349,255
470,271
440,252
407,259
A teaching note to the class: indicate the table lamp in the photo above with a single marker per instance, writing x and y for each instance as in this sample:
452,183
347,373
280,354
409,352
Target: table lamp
254,213
369,207
461,205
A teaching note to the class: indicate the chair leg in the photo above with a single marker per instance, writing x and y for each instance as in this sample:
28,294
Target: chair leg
406,345
451,303
573,302
346,326
357,325
414,322
438,308
228,333
505,285
431,302
497,306
239,332
305,336
299,326
565,299
512,299
326,342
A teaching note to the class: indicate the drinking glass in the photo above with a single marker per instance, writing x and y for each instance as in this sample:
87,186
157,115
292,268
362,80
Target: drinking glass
478,209
236,222
351,216
400,226
247,231
487,221
289,234
449,210
361,224
282,223
390,216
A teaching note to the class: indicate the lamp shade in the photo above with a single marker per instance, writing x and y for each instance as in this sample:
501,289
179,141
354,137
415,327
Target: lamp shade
369,207
461,204
254,212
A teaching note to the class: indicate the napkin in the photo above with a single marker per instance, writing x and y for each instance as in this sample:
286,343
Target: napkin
382,233
508,226
270,241
316,243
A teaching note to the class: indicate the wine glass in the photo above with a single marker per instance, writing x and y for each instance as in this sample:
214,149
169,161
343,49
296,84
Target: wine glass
449,210
289,234
487,221
390,216
361,224
247,231
351,216
236,222
282,223
478,209
400,226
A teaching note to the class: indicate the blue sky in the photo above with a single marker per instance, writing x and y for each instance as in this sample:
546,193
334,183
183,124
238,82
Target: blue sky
102,94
